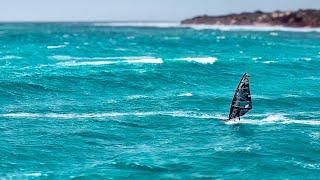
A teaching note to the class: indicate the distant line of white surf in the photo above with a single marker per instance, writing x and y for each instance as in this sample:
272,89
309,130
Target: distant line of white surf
99,63
68,58
96,61
203,27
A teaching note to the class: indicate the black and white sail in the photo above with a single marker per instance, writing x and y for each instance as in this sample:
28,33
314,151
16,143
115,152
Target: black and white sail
241,102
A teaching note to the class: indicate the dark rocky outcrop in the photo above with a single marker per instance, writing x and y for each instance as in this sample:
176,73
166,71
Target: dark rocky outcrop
300,18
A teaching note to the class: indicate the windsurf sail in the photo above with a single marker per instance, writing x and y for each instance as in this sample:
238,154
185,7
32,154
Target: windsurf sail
241,102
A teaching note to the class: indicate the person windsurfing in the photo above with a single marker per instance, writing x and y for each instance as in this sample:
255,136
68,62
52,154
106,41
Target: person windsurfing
241,102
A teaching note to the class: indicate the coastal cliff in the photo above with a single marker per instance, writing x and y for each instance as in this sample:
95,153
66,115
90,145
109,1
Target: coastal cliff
300,18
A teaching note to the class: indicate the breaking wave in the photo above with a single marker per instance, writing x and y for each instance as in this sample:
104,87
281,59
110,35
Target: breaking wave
86,63
202,60
274,119
56,47
185,94
8,57
146,60
66,58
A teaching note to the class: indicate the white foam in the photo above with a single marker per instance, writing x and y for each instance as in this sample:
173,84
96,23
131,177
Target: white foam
274,34
146,60
136,97
86,63
277,119
269,62
8,57
56,47
256,58
185,94
307,59
61,57
66,58
35,174
203,60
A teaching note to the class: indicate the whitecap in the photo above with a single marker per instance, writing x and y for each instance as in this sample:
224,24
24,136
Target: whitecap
61,57
8,57
185,94
86,63
269,62
146,60
274,34
56,47
276,119
256,58
35,174
136,97
66,57
307,58
202,60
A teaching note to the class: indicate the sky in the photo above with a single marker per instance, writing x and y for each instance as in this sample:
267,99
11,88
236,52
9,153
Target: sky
136,10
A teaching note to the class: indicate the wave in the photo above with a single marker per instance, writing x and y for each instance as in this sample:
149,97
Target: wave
8,57
136,97
99,63
185,94
86,63
212,27
66,58
269,62
202,60
146,60
56,47
274,119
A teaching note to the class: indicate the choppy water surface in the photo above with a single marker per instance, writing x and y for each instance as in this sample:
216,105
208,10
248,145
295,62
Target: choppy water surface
99,101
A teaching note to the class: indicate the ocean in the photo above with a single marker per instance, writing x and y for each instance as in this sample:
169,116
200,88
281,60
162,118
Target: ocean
139,101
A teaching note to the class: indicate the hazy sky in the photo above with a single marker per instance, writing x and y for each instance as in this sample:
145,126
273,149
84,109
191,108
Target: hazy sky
135,10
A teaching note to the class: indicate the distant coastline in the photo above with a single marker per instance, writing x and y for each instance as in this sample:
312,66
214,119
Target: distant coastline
300,18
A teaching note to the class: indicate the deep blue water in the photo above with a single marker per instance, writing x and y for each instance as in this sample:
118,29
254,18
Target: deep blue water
93,101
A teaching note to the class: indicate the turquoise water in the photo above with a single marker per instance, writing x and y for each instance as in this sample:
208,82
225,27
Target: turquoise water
94,101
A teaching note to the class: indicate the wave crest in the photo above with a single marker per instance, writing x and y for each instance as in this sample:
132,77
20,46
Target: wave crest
202,60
